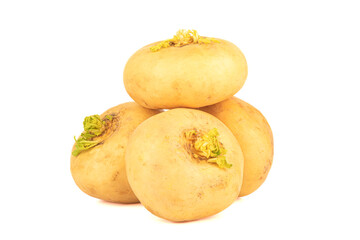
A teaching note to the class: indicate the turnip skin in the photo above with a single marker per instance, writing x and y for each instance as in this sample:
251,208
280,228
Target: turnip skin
254,135
191,76
165,177
100,171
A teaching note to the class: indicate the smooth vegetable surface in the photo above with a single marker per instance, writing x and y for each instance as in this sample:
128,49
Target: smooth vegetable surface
254,135
184,164
97,160
185,71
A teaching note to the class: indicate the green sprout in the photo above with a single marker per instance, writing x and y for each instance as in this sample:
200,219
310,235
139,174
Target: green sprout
208,146
93,127
183,37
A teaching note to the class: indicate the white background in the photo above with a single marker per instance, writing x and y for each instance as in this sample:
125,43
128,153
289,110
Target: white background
63,60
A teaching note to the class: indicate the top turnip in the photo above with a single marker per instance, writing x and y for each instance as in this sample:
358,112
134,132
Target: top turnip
185,71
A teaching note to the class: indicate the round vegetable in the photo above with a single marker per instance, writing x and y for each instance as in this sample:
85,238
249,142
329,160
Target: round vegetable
184,164
185,71
98,156
254,135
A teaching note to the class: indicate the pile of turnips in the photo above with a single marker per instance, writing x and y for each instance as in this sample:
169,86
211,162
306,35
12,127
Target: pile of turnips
188,162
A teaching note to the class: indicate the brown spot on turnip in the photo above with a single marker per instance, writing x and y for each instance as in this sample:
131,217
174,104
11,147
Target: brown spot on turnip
115,176
219,184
